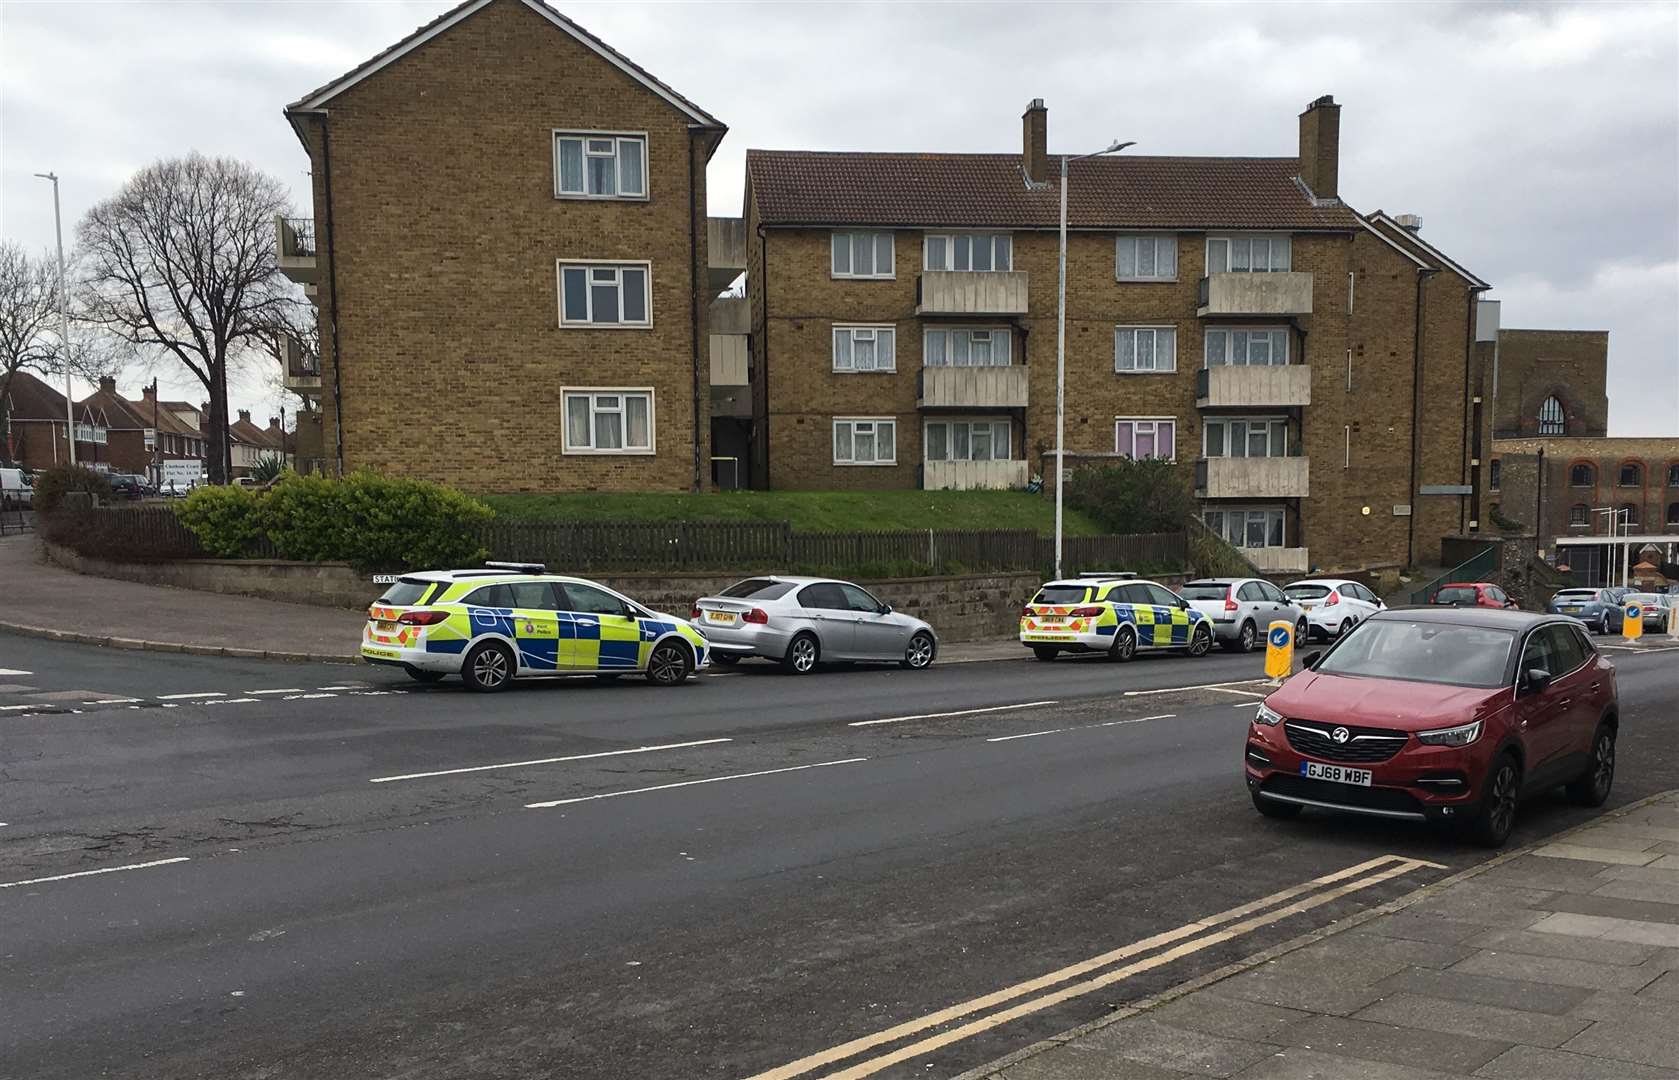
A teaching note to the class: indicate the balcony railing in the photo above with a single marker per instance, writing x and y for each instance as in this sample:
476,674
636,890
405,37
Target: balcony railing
1287,292
1279,560
294,240
1253,477
974,475
972,387
1282,386
975,292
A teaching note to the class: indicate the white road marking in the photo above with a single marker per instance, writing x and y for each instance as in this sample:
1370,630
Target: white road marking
357,686
1085,727
1247,705
1226,690
185,697
15,708
306,697
546,761
90,873
1187,689
1640,648
14,671
1028,735
286,690
233,701
111,701
690,783
958,712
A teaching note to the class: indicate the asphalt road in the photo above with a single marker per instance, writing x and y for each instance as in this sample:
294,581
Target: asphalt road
714,880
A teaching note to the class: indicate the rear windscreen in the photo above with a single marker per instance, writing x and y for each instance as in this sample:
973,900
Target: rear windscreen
1455,596
1576,595
1062,594
406,592
758,589
1307,592
1204,591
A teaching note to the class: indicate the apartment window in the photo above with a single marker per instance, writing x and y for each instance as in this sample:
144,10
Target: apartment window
1673,475
1142,349
1552,420
600,165
862,255
968,440
967,348
1494,474
1144,438
92,433
609,421
1146,258
1579,515
1632,474
1629,515
1247,348
1249,436
865,441
1247,527
865,348
1673,513
968,251
1247,254
1581,475
604,294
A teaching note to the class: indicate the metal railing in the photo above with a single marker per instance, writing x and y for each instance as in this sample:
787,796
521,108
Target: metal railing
297,237
1475,568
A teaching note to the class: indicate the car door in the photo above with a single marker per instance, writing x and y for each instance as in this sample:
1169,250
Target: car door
1280,607
606,634
1543,718
878,635
1169,610
830,615
536,625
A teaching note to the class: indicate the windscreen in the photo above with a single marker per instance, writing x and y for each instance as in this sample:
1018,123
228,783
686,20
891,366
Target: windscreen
1579,596
1205,590
1062,594
1431,652
1455,596
406,592
1307,592
757,589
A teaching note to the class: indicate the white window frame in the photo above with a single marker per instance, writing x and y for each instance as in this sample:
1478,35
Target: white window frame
1229,337
620,392
589,266
875,422
1162,242
948,335
1223,530
618,138
1224,422
1156,422
1000,243
949,424
1136,333
872,332
91,433
1273,243
851,237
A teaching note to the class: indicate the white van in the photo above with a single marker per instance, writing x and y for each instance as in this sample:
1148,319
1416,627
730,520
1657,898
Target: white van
15,492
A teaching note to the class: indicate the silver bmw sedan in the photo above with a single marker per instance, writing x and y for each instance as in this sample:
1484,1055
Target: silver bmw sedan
803,621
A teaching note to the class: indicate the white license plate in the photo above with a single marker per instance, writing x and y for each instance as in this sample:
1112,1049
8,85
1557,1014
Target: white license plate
726,618
1571,611
384,627
1339,774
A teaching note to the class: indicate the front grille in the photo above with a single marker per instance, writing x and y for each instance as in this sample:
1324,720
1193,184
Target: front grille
1363,744
1350,795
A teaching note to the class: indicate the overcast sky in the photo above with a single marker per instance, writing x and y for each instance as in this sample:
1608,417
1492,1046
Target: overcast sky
1539,143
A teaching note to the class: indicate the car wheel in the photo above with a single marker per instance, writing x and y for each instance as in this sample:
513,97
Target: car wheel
1301,633
802,655
727,659
421,675
1497,815
1045,652
1124,646
1346,626
1244,639
488,668
1273,809
920,652
670,664
1200,641
1591,788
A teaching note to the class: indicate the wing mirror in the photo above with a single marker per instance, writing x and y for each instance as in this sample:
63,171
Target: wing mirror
1310,660
885,609
1535,680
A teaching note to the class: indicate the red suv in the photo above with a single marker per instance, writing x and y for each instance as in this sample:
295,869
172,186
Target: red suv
1473,594
1446,715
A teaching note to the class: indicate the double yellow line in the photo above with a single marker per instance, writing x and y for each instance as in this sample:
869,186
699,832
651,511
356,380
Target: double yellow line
1171,945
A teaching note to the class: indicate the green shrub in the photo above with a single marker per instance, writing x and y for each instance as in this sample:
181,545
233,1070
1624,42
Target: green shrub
391,523
1133,496
268,468
51,485
306,518
226,520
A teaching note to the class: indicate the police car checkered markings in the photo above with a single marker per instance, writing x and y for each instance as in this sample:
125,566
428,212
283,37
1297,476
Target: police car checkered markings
1086,615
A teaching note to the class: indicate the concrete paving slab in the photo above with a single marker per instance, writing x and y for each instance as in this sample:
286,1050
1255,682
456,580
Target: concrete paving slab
1596,854
1334,993
1555,972
1632,910
1478,1021
1636,931
1377,957
1657,892
1532,1063
1076,1062
1641,873
1637,1040
1507,993
1163,1046
1626,827
1667,862
1396,1045
1666,959
1565,946
1611,839
1621,1004
1407,927
1231,1017
1301,1064
1490,905
1663,814
1665,988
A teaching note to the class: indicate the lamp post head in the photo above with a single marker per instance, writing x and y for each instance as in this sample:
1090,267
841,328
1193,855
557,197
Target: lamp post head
1117,145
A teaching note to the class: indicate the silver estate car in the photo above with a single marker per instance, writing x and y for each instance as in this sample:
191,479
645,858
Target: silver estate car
1243,609
802,621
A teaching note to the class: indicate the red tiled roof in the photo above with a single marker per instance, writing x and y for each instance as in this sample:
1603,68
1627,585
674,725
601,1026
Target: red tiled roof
802,187
120,413
33,399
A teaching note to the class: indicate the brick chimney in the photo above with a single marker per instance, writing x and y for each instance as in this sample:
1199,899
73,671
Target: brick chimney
1034,142
1320,147
274,425
149,393
244,416
108,383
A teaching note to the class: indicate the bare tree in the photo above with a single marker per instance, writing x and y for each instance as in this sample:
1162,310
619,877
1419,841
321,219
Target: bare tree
28,315
182,260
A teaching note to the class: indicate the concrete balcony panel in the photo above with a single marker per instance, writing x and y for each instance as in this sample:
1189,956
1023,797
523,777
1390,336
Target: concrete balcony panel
730,363
725,247
294,245
973,387
1253,387
976,292
1253,477
974,475
731,401
1288,292
1279,560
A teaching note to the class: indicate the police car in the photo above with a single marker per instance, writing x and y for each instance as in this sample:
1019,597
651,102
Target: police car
508,620
1112,613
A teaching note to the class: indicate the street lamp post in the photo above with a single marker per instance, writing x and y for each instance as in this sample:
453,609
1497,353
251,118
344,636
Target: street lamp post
1618,519
1061,346
63,318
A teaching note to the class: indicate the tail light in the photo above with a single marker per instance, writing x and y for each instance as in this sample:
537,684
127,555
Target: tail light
1085,612
422,618
1027,612
1230,600
695,613
756,615
1332,599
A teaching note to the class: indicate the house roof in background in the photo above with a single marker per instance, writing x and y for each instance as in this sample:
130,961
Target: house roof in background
33,399
120,413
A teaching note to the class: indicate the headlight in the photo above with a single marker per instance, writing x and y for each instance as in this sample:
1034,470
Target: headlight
1452,736
1268,717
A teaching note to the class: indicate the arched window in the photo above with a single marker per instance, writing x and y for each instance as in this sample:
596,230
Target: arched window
1551,418
1632,474
1673,475
1673,513
1581,475
1629,515
1579,514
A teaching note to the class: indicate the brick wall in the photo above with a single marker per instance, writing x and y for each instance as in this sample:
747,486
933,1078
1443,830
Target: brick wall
1571,365
1520,500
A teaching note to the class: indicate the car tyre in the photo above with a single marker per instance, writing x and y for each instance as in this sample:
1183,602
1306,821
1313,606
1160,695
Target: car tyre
1346,628
1045,652
803,653
1302,633
1591,787
919,654
422,675
1244,639
1124,646
1270,808
488,668
1200,641
1500,796
670,664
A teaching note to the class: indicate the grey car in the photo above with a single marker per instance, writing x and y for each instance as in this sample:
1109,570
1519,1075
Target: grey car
1655,607
800,622
1242,609
1599,609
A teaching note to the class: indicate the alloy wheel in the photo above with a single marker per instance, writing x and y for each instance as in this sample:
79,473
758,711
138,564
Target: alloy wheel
804,655
1201,642
1603,765
489,668
920,651
1247,637
667,665
1501,814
